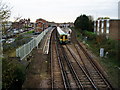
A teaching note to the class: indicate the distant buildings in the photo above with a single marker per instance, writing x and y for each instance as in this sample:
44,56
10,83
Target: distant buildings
69,24
22,23
41,24
108,27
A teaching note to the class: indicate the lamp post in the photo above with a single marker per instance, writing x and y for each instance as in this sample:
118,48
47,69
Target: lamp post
35,27
43,28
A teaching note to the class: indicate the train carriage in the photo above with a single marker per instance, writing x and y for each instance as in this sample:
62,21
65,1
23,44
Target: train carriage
63,37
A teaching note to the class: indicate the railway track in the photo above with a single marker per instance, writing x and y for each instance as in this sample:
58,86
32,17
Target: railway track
76,82
83,77
57,76
92,69
74,69
62,73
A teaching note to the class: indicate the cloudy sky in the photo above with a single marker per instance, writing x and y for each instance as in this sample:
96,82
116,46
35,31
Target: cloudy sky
62,10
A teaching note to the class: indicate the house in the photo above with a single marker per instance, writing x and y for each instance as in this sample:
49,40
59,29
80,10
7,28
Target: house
41,24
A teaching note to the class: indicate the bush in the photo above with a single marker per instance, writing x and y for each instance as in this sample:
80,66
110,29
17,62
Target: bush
13,74
90,35
100,41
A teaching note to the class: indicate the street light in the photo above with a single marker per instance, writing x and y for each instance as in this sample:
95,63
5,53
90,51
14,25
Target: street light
36,27
43,28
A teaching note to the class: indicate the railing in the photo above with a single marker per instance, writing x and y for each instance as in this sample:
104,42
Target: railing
24,50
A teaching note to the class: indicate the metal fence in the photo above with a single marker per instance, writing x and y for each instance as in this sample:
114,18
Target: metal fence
24,50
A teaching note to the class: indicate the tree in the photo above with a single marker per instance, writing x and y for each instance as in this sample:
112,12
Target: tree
5,11
4,14
83,22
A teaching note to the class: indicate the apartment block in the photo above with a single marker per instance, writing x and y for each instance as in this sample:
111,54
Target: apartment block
108,27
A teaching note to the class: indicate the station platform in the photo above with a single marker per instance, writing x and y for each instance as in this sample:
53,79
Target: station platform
46,42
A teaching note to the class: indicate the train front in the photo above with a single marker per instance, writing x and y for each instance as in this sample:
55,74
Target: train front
63,38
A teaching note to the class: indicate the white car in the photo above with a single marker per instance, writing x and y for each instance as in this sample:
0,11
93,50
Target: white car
10,40
15,32
20,30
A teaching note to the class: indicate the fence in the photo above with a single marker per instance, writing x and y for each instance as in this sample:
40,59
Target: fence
24,50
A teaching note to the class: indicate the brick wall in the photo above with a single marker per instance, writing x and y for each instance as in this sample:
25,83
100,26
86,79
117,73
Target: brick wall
114,30
41,23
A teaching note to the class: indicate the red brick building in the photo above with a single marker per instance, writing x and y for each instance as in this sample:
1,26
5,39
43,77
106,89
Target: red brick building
41,24
108,27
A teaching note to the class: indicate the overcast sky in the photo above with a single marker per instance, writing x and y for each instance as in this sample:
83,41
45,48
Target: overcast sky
63,10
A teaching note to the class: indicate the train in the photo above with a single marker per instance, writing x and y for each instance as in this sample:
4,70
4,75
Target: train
64,38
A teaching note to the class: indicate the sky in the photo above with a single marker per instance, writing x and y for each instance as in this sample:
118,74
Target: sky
61,11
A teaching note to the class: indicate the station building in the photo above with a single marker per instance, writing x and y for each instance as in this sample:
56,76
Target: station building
109,27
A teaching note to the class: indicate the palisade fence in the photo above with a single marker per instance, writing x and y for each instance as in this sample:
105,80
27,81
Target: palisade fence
24,50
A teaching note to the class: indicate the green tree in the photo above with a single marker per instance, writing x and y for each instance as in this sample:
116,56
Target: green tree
83,22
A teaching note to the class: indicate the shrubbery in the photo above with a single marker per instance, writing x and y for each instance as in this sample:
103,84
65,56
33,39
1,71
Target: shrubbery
90,35
13,74
100,41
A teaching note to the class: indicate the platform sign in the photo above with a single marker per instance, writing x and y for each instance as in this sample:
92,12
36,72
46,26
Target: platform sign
101,52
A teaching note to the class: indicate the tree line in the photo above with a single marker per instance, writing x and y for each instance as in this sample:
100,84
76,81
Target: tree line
84,22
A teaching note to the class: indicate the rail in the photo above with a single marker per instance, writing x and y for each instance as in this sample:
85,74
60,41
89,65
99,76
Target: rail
108,85
84,72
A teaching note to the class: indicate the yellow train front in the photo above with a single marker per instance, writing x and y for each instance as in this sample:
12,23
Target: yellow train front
63,37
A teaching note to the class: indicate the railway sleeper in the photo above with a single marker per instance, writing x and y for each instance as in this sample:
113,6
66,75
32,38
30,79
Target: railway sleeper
87,86
102,86
98,80
96,77
83,78
100,83
86,83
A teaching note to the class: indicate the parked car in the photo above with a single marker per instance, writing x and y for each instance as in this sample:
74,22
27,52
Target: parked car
15,32
10,40
36,33
20,30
